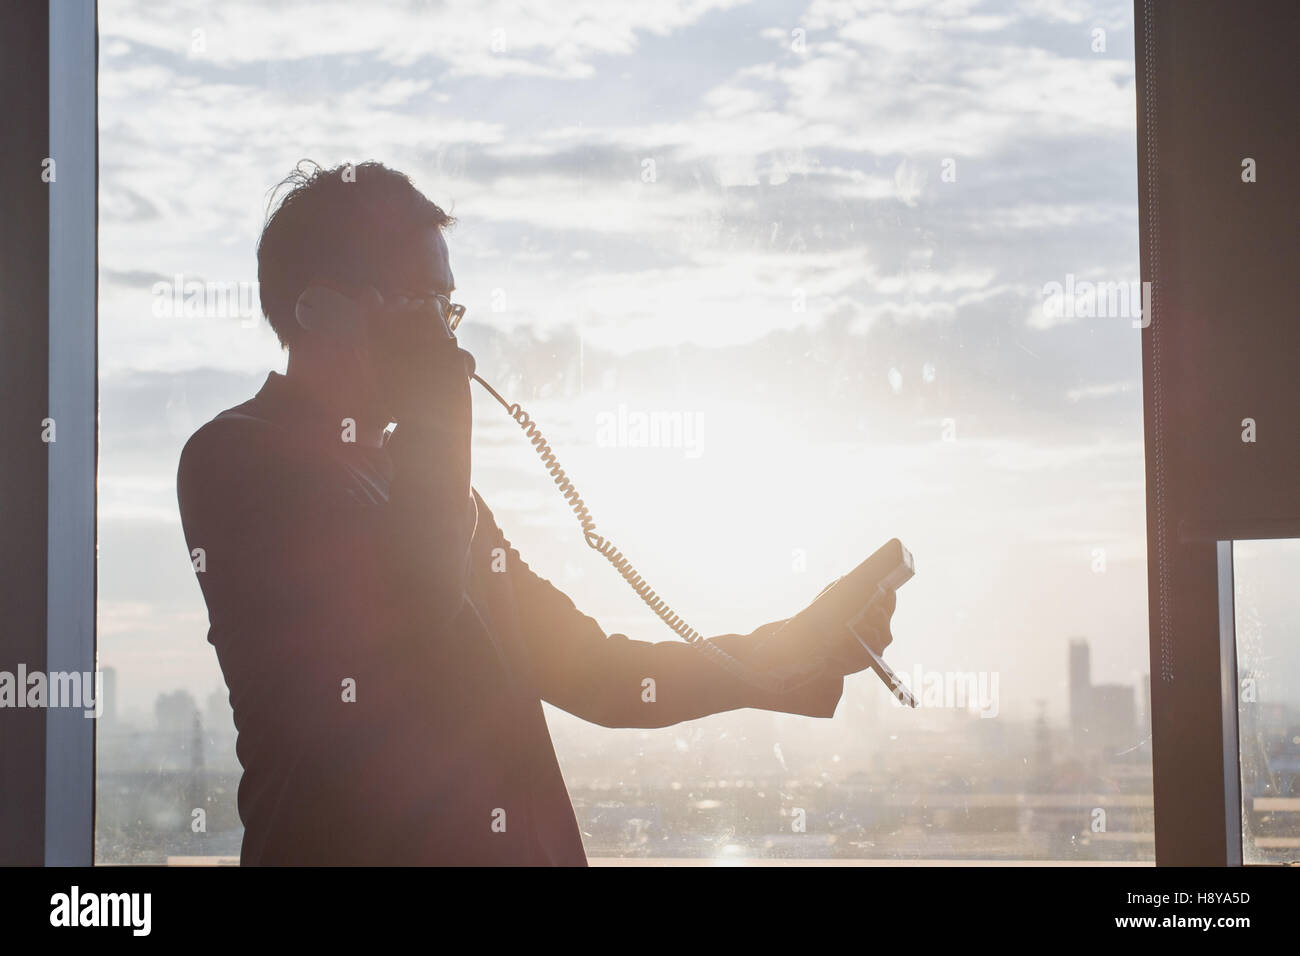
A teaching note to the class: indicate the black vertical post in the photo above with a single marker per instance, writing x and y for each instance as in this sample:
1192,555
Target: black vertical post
24,393
1218,206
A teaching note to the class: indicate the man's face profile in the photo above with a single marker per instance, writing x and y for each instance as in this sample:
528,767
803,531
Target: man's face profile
418,269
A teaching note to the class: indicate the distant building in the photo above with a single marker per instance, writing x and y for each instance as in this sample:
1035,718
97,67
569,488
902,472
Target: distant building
1102,716
1080,682
109,714
175,713
1144,718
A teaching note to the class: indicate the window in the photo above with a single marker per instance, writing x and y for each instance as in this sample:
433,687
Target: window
1268,678
871,272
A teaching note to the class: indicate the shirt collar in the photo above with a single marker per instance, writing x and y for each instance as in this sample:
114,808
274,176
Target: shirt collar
287,402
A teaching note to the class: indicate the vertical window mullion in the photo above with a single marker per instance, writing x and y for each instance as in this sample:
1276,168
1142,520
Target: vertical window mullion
70,555
1228,695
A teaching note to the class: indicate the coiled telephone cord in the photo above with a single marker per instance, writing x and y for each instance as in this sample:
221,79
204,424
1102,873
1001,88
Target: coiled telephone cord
607,549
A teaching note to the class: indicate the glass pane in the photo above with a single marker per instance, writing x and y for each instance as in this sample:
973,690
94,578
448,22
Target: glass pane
1268,696
872,271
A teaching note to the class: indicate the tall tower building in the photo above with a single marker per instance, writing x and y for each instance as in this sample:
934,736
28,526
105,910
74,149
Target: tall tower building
109,715
1102,716
1080,684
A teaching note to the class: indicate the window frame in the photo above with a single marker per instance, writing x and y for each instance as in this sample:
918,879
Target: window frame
47,755
1196,773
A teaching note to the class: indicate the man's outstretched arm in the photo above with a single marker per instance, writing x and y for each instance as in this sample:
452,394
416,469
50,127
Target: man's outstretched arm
618,682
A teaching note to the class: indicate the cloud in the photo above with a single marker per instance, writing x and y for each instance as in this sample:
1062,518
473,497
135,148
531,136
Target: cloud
474,38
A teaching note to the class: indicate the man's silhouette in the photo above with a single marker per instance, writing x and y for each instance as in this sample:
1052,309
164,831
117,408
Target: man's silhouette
386,649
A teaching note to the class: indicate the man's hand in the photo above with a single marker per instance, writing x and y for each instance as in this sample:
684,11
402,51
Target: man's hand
795,653
846,655
421,374
422,378
784,654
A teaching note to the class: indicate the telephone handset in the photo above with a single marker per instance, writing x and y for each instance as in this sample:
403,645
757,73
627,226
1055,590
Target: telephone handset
836,615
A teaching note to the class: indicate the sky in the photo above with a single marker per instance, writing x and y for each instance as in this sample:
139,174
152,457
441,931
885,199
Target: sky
820,234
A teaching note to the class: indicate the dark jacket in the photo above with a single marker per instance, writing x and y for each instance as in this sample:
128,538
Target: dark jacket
375,727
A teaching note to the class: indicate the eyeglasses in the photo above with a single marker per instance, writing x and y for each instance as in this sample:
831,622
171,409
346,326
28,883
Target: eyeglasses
451,312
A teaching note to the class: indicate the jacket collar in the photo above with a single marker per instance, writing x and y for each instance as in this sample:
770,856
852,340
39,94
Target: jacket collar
285,402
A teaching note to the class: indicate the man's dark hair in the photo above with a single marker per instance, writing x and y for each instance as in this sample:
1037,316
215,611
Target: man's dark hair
340,224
